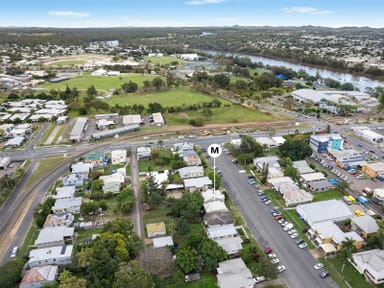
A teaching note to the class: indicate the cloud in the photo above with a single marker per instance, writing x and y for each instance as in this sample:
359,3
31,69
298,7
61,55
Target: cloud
306,10
203,2
69,14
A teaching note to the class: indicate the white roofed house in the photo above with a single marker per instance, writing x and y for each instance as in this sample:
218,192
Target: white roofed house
157,119
70,205
81,168
191,172
64,192
221,231
197,184
211,195
76,134
104,124
312,177
270,161
143,153
55,255
234,274
15,142
132,119
61,219
74,180
119,157
179,147
371,264
112,183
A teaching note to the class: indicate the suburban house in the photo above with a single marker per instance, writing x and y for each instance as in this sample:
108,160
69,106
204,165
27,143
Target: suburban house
39,276
74,180
365,225
197,184
221,232
160,242
215,206
94,158
156,229
70,205
82,168
292,194
180,147
56,220
119,157
234,274
312,177
371,264
232,245
319,186
65,192
55,236
56,255
15,142
302,167
218,218
160,177
143,153
271,161
211,195
112,183
190,157
191,172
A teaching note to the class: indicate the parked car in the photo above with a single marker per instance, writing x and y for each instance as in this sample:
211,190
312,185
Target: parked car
275,260
259,279
268,202
303,245
284,223
287,227
280,268
268,250
294,235
318,266
292,231
324,274
272,255
278,217
299,241
14,252
281,220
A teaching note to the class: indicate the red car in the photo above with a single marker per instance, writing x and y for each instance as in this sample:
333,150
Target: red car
278,217
268,250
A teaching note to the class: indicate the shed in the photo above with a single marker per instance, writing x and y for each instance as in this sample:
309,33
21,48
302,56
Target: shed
156,229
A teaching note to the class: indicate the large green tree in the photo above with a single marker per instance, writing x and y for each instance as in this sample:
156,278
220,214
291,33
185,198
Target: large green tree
296,149
212,254
186,259
130,275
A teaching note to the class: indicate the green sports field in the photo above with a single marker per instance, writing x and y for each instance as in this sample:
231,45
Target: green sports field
100,82
165,60
68,63
173,97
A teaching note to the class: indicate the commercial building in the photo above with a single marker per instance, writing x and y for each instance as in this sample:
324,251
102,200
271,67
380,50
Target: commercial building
116,132
157,119
76,134
322,142
373,170
378,196
347,157
368,135
134,119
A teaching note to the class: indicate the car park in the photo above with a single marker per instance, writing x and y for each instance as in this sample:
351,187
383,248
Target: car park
303,245
280,268
324,274
318,266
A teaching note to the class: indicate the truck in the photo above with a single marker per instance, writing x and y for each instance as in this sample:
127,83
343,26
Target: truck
362,200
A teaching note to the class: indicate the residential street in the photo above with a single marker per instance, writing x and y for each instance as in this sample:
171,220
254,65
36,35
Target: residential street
137,210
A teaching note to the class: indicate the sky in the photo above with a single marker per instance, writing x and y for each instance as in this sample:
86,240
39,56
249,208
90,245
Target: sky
182,13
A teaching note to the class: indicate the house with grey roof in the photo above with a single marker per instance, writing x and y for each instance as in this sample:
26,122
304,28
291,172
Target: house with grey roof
190,157
74,180
232,245
218,218
222,231
234,273
55,236
67,205
365,225
319,186
81,168
57,220
370,264
15,142
65,192
191,172
197,184
77,132
302,167
160,242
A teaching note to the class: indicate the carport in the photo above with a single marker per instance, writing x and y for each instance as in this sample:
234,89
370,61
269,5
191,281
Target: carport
328,249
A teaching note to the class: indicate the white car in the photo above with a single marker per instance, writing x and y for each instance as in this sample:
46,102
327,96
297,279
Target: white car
280,268
14,252
294,235
318,266
287,227
292,231
303,245
267,202
272,255
275,260
259,279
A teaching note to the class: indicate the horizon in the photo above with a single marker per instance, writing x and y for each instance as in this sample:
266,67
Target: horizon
191,13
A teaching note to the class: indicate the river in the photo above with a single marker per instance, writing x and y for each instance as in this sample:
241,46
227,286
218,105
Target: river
357,81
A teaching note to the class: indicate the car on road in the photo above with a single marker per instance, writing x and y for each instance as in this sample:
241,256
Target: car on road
284,223
294,235
14,252
280,268
324,274
235,161
360,145
318,266
281,220
278,217
275,260
287,227
303,245
242,171
272,255
268,202
268,250
372,151
292,231
299,241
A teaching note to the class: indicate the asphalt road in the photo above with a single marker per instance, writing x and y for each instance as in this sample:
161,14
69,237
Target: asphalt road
299,262
137,210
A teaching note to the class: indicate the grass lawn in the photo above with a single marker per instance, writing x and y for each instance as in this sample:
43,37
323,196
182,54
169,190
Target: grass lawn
83,235
165,60
100,82
29,239
173,97
207,280
276,198
231,114
68,63
46,165
327,195
144,166
349,274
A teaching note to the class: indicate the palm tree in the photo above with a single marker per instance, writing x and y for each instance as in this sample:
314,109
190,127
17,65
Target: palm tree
347,250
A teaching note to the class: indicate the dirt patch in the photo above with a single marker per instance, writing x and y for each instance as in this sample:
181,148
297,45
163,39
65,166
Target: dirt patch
52,136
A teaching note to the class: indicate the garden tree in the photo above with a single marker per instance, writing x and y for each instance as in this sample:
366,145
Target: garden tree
186,259
265,81
189,206
347,86
158,83
296,149
212,175
196,238
42,211
130,275
10,272
207,113
126,201
147,85
129,87
182,226
380,234
342,187
89,208
291,171
67,280
212,254
91,93
289,102
153,192
347,250
249,145
157,261
222,81
155,107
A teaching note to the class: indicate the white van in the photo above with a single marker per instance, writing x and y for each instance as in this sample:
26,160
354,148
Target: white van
14,252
